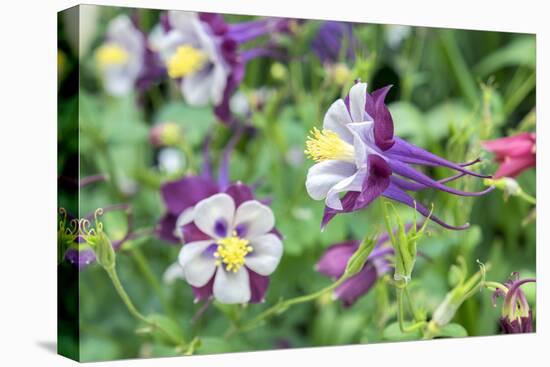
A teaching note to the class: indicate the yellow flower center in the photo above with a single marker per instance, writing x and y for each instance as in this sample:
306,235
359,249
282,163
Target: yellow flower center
322,145
232,251
186,60
111,55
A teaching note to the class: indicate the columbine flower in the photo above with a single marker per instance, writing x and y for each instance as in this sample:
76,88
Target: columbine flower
514,153
121,57
237,251
357,154
180,196
331,38
516,315
334,261
201,51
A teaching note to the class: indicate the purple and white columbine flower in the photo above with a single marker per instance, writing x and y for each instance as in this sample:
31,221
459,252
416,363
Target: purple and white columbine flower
237,253
335,259
516,316
202,52
121,58
357,154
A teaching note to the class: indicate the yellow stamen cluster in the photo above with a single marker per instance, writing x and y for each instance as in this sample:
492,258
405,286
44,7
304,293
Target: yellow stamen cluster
322,145
111,55
186,60
232,251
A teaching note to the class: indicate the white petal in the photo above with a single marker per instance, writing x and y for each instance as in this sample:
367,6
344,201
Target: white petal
209,211
357,100
174,272
352,183
266,254
336,119
183,21
196,88
363,141
198,267
232,287
322,176
257,218
184,218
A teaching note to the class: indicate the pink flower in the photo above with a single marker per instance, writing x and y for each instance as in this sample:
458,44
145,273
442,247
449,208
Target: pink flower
514,153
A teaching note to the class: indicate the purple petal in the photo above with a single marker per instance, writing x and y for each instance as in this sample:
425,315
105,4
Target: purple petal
395,193
383,122
258,286
186,192
408,153
376,181
215,21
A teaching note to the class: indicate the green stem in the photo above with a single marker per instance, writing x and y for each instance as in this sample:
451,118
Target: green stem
519,94
134,311
401,314
145,269
530,199
273,310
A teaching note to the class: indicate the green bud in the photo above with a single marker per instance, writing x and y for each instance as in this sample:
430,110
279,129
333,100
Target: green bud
104,251
279,71
359,257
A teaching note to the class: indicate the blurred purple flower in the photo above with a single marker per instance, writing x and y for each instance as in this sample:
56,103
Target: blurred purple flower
358,154
125,60
331,38
203,52
516,316
335,259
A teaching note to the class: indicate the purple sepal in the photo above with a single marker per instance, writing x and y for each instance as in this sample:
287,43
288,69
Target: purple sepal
258,286
215,21
240,193
356,286
395,193
81,259
205,292
165,228
383,122
186,192
334,260
191,233
517,326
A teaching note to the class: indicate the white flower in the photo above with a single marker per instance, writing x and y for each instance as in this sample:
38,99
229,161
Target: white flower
240,240
121,57
341,149
191,52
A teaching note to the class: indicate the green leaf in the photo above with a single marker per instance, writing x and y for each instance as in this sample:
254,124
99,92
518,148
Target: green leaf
393,332
453,331
409,122
175,331
520,51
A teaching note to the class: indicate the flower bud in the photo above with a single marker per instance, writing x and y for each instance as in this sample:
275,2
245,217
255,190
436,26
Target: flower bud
360,257
340,73
165,134
279,72
105,254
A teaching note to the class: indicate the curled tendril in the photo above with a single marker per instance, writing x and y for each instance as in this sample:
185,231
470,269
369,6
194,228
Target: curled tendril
89,232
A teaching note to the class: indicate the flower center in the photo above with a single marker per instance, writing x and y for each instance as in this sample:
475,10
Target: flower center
322,145
186,60
232,251
111,55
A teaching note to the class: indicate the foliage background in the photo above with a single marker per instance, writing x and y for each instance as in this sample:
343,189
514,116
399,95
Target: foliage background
452,88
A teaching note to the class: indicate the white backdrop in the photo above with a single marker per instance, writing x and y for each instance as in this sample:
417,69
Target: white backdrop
28,180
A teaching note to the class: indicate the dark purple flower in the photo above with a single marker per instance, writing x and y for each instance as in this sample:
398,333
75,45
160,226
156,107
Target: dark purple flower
357,154
516,316
331,38
335,259
204,53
